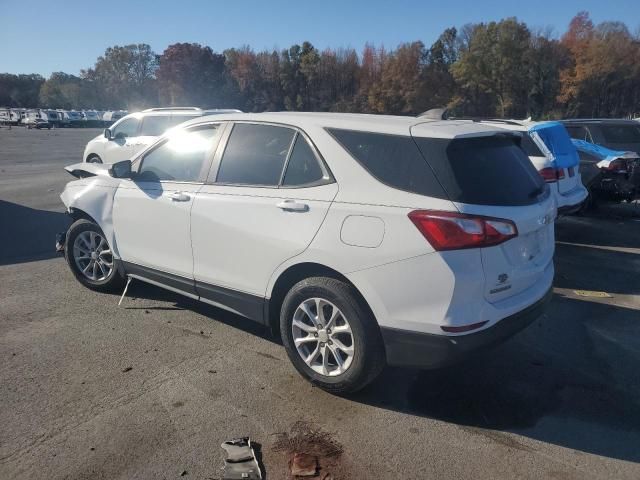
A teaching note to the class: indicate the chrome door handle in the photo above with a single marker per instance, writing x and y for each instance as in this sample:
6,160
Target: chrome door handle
179,197
292,206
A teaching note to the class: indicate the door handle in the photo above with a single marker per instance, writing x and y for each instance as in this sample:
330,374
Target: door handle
292,206
179,197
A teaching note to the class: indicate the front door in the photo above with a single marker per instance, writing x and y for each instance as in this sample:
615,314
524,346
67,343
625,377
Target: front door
152,211
262,205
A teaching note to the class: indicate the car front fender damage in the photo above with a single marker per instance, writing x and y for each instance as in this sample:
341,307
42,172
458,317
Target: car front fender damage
94,196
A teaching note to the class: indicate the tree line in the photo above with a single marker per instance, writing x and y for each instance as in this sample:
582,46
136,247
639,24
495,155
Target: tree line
502,69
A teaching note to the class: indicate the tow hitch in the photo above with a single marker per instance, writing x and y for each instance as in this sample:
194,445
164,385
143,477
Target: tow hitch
60,241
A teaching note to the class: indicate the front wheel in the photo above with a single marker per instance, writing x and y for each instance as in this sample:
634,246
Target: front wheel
90,257
330,336
94,159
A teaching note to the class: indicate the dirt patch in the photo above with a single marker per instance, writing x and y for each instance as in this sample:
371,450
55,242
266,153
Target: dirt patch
309,444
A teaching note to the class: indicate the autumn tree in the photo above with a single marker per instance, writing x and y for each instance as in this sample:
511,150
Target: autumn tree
492,72
125,76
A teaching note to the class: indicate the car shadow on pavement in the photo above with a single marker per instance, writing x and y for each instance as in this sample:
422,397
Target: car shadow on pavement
614,226
570,379
141,290
28,234
592,268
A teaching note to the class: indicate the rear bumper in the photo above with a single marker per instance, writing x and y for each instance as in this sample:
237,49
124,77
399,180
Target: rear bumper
570,202
425,350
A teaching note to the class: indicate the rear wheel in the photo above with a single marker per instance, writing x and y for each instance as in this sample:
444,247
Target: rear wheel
90,257
94,159
330,336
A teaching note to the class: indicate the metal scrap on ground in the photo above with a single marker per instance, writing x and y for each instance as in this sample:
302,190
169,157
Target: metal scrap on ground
241,463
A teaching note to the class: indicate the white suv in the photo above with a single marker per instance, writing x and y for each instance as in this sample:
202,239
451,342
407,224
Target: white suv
136,131
363,239
565,182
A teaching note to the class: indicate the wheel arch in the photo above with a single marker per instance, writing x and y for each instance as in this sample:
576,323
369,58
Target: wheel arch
77,214
292,275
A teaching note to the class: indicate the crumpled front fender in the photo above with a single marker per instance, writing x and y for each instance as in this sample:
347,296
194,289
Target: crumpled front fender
94,196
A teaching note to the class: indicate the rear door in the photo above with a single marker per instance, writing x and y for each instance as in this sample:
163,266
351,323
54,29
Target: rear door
262,205
492,176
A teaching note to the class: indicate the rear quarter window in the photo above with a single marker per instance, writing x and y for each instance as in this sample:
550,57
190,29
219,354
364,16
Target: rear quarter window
484,170
392,159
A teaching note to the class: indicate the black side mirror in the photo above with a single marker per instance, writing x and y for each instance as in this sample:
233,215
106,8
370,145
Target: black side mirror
121,169
107,134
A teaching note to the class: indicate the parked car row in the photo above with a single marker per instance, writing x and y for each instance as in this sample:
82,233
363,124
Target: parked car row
59,118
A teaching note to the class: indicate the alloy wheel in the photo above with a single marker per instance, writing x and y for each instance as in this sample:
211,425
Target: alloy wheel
323,337
93,256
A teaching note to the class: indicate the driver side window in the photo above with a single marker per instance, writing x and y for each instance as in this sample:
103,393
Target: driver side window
181,158
128,127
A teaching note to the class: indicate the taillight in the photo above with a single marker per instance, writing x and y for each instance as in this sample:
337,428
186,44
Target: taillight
454,231
551,174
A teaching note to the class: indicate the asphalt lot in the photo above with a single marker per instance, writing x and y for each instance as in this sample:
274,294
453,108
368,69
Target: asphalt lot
150,389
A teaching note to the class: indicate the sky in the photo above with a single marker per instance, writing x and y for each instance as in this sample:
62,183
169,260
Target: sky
44,36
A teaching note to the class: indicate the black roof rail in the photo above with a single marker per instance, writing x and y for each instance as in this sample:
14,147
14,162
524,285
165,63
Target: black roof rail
492,120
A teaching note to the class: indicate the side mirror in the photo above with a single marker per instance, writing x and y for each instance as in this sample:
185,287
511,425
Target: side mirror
107,134
121,169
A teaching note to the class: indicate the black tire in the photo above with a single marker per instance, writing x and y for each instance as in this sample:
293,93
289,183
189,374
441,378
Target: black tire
94,159
114,281
368,357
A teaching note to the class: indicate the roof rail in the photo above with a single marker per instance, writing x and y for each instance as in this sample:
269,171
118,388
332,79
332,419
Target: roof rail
435,114
492,120
169,109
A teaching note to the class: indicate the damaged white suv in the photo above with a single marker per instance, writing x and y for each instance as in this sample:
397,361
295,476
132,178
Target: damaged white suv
363,239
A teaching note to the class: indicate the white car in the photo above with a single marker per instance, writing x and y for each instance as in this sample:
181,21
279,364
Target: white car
363,239
565,182
135,131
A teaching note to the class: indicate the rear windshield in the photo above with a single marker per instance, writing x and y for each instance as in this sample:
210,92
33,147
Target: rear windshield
392,159
484,170
529,147
621,133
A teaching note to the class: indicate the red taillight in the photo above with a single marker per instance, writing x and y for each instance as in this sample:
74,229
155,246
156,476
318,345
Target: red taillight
454,231
551,174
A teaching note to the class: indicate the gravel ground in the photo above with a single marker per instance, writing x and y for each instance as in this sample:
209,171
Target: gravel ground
150,389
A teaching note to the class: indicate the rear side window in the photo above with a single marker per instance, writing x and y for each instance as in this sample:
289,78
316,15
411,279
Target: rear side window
303,167
392,159
178,119
621,133
128,128
484,170
255,155
154,125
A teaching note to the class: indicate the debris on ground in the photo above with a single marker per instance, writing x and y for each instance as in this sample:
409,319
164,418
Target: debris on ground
241,462
311,450
303,465
128,369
